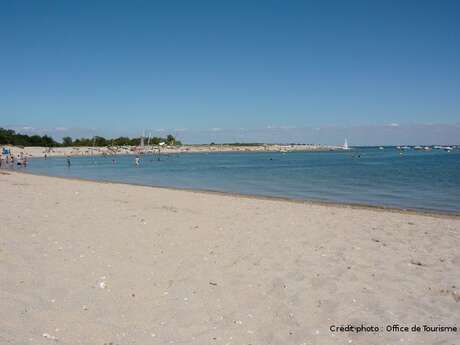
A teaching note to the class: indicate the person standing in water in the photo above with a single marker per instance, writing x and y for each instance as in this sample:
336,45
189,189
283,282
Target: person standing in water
68,162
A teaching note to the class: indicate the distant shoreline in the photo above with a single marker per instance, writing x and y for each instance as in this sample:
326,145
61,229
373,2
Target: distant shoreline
75,151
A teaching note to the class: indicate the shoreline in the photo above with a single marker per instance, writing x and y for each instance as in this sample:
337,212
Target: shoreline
84,151
381,208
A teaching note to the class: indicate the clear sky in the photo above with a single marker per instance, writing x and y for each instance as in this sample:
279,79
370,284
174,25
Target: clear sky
121,66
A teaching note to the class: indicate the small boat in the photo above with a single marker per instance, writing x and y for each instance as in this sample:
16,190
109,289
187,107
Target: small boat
345,145
381,148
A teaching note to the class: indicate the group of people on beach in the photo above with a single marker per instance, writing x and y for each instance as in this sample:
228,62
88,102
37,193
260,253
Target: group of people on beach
9,161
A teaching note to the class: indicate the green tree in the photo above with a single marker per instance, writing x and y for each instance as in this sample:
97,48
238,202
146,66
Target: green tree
170,140
47,141
67,141
100,141
121,141
35,140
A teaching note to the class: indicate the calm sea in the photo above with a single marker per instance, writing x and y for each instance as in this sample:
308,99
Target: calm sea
416,179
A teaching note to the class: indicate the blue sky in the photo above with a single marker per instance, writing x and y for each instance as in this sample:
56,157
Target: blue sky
117,67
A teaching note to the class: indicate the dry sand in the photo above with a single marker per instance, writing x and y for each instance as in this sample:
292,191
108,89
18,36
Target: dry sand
98,263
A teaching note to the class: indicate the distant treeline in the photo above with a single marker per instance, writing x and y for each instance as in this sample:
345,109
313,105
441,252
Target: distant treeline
10,137
120,141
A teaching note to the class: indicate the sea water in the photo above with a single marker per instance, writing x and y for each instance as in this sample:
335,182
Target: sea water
425,180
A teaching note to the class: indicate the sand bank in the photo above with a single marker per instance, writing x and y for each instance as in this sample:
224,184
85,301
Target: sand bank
118,150
97,263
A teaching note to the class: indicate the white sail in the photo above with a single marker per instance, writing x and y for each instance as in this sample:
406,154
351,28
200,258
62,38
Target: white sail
345,145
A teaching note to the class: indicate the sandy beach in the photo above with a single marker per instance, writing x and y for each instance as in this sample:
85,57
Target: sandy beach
100,263
123,150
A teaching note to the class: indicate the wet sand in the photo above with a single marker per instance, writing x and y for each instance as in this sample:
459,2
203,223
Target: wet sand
97,263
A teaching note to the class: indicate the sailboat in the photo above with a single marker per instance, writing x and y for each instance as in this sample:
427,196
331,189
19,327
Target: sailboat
345,145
